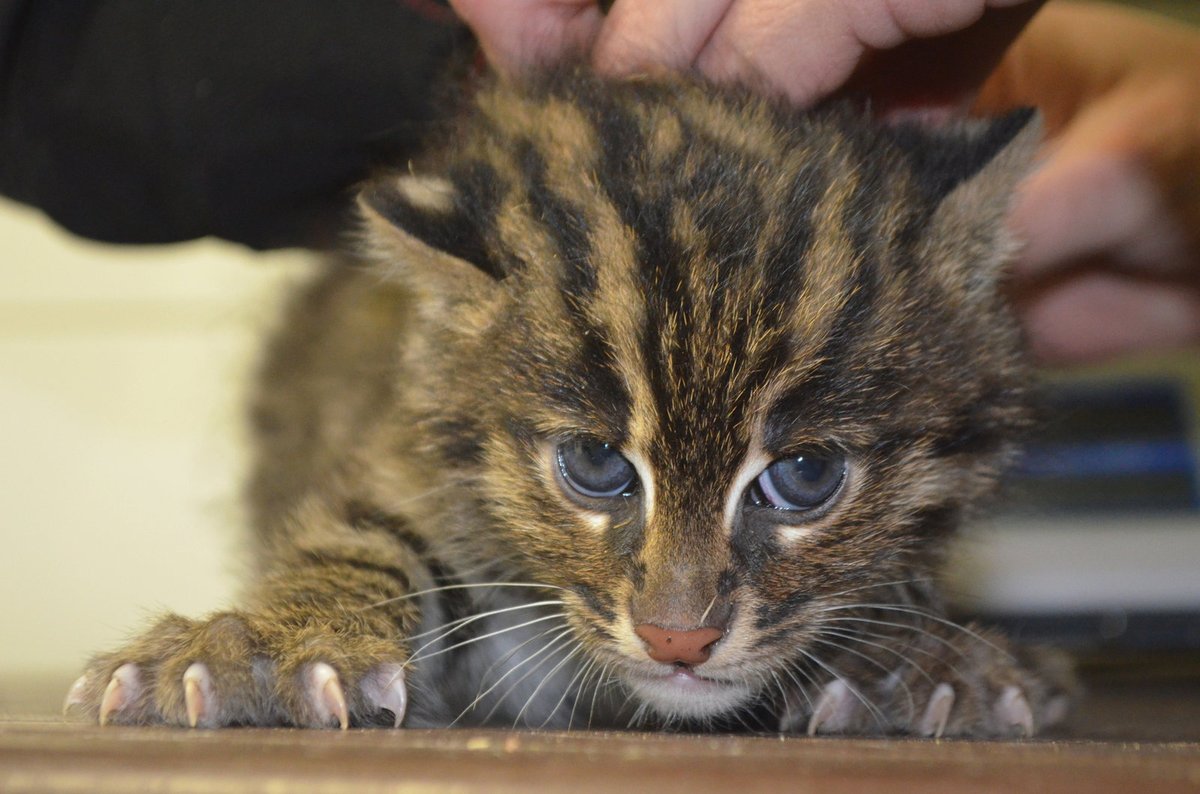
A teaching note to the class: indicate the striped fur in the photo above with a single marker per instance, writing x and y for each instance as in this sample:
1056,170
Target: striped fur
709,282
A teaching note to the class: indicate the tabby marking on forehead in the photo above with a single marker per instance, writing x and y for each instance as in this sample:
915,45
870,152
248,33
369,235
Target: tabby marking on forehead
664,133
565,140
747,129
520,232
831,268
557,129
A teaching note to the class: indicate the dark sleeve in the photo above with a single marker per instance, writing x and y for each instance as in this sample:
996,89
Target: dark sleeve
160,120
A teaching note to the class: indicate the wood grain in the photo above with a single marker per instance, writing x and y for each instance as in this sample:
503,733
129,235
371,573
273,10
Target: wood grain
62,758
1124,737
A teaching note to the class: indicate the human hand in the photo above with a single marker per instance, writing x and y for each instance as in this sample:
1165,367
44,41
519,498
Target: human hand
1111,219
756,41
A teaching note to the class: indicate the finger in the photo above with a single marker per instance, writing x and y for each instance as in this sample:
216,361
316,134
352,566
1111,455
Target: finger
1093,205
1102,315
516,35
1117,91
804,49
1072,54
939,73
1105,188
666,34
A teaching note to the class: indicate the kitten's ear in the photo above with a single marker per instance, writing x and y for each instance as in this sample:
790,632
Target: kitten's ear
970,170
420,227
945,157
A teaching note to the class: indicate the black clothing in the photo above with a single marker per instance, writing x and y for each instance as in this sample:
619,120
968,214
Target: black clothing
160,120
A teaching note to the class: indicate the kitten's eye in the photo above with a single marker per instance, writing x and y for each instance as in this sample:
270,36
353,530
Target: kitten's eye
803,482
594,468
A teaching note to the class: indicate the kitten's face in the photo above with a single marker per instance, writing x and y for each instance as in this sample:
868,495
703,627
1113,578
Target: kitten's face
738,367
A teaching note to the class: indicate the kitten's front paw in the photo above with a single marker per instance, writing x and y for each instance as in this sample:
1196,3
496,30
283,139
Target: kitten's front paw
971,686
238,669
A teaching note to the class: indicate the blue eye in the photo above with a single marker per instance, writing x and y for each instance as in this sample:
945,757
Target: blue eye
594,468
803,482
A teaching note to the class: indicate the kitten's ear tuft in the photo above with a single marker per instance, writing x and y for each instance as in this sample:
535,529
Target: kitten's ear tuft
418,229
942,157
402,210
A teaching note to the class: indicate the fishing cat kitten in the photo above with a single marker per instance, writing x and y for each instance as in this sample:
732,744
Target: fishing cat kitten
658,409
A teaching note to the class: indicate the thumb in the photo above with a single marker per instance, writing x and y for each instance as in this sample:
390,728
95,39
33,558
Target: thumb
517,34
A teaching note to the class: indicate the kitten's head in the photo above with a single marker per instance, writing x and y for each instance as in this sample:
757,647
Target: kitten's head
717,367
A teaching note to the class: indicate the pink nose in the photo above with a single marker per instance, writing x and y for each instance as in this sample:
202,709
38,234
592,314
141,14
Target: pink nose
688,647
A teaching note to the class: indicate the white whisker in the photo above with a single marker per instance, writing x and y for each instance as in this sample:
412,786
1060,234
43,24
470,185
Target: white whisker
462,622
548,676
842,647
463,586
871,707
932,616
545,648
857,633
595,692
490,634
800,686
508,655
582,676
553,645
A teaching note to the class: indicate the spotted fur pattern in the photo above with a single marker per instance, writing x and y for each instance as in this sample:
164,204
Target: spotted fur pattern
708,282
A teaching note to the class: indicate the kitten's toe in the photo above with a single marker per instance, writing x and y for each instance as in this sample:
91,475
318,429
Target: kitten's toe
384,689
325,696
199,696
122,694
937,712
835,709
1013,713
237,668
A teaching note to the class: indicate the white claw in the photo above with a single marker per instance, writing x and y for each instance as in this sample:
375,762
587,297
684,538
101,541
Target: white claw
937,712
122,689
834,709
1012,710
74,698
326,695
199,695
384,688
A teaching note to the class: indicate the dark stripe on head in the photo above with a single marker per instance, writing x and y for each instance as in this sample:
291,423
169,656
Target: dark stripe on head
567,224
480,192
570,231
831,382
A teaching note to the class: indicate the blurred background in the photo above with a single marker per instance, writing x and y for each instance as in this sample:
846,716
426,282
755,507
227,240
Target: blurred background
123,372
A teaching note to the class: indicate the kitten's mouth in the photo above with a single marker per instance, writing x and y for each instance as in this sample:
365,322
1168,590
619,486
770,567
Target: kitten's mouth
685,675
681,691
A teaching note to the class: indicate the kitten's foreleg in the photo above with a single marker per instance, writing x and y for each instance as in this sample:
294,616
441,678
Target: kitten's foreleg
321,642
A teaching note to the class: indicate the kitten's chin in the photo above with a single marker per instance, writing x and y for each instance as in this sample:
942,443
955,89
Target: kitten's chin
682,693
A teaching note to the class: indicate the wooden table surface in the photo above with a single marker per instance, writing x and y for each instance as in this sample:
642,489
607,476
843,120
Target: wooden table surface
1121,739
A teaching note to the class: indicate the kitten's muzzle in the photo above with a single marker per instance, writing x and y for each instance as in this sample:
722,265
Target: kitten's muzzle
669,646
